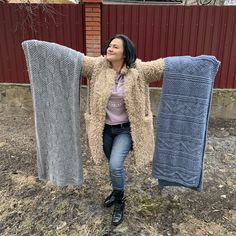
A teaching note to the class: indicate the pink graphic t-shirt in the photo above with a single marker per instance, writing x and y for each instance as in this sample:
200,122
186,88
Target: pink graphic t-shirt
115,111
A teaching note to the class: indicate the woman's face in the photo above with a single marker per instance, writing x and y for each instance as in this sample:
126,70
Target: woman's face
115,51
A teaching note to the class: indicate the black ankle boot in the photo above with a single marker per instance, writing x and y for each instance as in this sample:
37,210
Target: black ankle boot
110,200
118,213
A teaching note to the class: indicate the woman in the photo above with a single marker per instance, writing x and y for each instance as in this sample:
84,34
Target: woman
118,116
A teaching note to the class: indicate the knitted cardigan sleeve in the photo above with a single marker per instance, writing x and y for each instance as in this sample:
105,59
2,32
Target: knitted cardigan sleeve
153,70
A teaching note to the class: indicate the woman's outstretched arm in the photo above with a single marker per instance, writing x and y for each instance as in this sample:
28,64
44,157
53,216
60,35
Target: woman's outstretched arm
153,70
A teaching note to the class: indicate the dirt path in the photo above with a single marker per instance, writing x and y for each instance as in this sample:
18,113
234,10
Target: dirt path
31,207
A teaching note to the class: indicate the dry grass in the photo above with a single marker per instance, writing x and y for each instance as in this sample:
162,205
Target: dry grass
32,207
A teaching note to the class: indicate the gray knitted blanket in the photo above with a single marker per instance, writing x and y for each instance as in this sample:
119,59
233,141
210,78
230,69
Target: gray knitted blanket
54,73
182,120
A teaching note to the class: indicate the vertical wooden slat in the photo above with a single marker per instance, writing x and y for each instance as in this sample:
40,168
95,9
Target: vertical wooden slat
219,83
164,31
128,24
9,59
171,31
113,13
149,33
227,49
16,50
142,30
179,31
105,24
208,31
134,26
3,49
201,31
120,21
186,32
232,58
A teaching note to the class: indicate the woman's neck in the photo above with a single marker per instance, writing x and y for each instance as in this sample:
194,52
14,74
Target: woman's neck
117,66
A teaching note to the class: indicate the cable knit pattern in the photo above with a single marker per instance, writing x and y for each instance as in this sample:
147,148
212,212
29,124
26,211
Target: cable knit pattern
54,73
182,120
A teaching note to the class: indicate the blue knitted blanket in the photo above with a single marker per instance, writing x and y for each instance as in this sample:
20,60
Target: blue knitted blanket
182,120
54,73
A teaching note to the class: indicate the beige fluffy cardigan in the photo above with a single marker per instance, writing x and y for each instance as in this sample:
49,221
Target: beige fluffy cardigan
136,98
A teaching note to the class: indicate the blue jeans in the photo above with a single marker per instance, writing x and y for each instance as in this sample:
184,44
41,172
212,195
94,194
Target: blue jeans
117,142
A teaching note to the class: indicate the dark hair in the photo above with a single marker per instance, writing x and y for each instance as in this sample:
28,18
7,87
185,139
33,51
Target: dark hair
129,49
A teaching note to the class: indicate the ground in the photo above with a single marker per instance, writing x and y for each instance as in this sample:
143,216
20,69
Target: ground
32,207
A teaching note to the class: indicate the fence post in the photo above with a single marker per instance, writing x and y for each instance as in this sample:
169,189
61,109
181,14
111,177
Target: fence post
93,26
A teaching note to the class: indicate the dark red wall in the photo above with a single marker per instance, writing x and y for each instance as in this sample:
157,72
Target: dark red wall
61,24
161,31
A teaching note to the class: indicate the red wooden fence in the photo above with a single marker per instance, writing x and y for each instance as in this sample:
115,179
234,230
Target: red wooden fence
161,31
62,24
157,31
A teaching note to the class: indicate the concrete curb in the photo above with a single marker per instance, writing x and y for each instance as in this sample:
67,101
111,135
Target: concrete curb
18,97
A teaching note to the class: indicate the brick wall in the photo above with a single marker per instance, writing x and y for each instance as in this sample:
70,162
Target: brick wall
93,27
